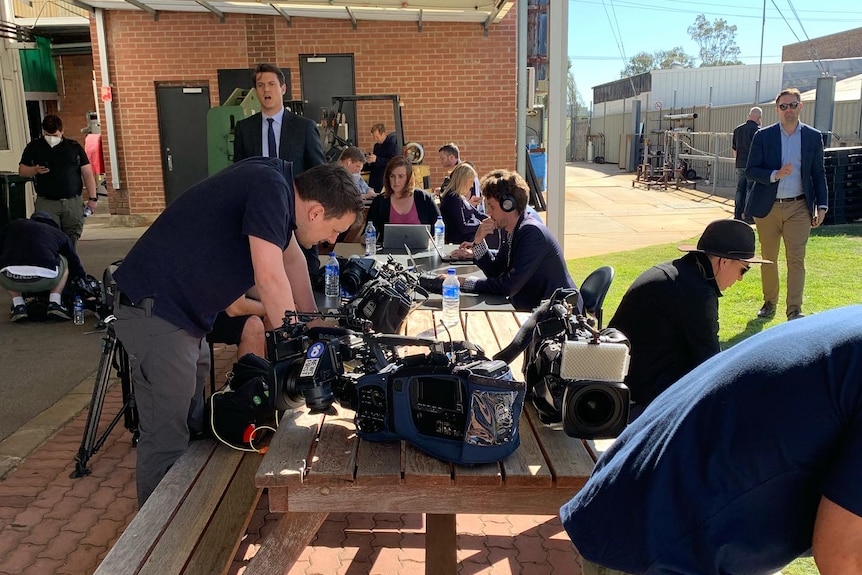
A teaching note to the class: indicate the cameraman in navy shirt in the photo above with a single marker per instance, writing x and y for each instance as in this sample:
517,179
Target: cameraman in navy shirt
242,227
751,460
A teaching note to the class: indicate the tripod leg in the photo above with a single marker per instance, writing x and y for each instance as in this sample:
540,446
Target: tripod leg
97,401
130,411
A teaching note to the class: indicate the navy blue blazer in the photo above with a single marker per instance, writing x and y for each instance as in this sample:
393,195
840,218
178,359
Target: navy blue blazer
765,157
528,268
299,141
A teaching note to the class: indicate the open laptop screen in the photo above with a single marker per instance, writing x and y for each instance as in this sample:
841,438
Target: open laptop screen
414,236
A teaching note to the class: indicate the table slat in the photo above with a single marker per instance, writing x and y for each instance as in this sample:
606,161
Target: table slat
481,474
422,469
378,463
527,465
426,499
290,449
570,462
335,457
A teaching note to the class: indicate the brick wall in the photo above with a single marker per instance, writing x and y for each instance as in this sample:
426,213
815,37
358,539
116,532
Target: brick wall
841,45
75,88
455,83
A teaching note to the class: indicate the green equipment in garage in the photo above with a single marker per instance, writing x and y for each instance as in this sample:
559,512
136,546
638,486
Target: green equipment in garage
221,122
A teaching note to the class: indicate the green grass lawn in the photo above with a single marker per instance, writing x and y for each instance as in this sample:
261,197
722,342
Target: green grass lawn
833,270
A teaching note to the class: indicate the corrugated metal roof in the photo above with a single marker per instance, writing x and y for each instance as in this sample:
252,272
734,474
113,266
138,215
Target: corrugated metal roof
846,90
479,11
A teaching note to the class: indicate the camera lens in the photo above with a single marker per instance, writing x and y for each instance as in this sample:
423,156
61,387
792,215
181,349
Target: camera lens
286,377
319,398
351,279
594,409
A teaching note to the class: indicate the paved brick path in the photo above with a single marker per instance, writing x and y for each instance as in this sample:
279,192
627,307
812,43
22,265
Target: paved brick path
52,524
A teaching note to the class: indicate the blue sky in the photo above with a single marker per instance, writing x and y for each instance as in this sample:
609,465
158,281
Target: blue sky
650,25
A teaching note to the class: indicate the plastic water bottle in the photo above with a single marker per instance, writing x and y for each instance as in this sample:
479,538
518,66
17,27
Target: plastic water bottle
88,212
332,288
370,239
440,232
78,311
451,298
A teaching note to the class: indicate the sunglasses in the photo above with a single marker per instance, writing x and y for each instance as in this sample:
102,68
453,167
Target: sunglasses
744,270
791,105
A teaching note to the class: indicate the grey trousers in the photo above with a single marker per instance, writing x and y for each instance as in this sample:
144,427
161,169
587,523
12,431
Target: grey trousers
169,371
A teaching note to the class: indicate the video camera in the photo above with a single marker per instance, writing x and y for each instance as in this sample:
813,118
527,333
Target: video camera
451,402
574,373
385,293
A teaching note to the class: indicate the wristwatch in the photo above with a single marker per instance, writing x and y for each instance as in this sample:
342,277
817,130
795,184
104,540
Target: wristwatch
96,199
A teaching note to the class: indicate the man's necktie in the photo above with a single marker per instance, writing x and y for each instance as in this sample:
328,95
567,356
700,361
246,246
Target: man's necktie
270,140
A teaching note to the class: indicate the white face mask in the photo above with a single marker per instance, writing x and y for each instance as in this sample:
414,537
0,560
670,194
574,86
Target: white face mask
53,140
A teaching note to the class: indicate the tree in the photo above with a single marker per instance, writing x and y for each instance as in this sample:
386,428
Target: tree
659,60
717,41
574,101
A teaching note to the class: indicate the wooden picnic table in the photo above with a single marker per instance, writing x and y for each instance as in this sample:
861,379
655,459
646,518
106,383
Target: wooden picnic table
316,465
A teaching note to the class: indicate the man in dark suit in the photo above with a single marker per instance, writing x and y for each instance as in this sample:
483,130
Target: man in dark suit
295,139
385,148
787,199
742,136
283,135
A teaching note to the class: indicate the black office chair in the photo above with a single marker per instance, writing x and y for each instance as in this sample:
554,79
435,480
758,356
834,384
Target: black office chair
594,289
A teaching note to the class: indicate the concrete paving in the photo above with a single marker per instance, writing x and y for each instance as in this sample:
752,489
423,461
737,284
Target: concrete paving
50,523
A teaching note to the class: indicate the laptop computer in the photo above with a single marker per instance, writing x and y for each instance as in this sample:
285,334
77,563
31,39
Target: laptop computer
447,257
414,236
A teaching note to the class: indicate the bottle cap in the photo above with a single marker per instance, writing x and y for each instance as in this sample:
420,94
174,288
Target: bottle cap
332,254
451,271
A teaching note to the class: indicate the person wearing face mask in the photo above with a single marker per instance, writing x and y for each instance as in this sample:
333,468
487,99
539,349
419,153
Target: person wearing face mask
61,171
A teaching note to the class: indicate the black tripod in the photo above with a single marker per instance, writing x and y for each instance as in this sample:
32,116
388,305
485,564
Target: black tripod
113,356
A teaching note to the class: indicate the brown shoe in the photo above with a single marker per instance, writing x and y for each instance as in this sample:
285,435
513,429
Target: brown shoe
795,315
767,311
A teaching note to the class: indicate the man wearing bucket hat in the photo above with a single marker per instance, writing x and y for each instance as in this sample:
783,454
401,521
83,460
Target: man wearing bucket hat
35,256
670,312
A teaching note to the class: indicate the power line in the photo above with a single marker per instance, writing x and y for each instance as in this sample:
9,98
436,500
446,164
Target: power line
722,10
811,47
615,28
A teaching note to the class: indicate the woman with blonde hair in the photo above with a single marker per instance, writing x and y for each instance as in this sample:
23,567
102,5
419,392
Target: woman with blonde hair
458,207
401,202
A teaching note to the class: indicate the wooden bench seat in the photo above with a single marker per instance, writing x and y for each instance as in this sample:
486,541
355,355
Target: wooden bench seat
193,521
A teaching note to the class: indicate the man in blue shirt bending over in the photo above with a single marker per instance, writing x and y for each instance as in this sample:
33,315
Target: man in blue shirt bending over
240,228
751,460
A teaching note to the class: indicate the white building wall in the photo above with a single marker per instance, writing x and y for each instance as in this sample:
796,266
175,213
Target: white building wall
716,85
690,87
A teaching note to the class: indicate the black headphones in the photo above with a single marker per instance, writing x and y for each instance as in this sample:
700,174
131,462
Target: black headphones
507,200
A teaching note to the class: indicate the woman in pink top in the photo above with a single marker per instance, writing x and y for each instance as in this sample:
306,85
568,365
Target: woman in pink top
401,202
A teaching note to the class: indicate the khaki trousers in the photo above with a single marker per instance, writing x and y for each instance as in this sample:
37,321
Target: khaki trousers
792,222
69,213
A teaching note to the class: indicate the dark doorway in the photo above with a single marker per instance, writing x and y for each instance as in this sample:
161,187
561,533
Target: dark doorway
325,76
182,112
34,119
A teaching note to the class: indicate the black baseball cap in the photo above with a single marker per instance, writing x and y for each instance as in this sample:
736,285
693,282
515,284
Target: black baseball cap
730,239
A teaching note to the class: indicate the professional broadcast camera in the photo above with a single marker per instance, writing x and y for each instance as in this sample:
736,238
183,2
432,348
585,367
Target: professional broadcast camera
574,373
452,402
385,293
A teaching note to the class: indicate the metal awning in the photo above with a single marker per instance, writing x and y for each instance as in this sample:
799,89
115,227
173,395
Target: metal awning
486,12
